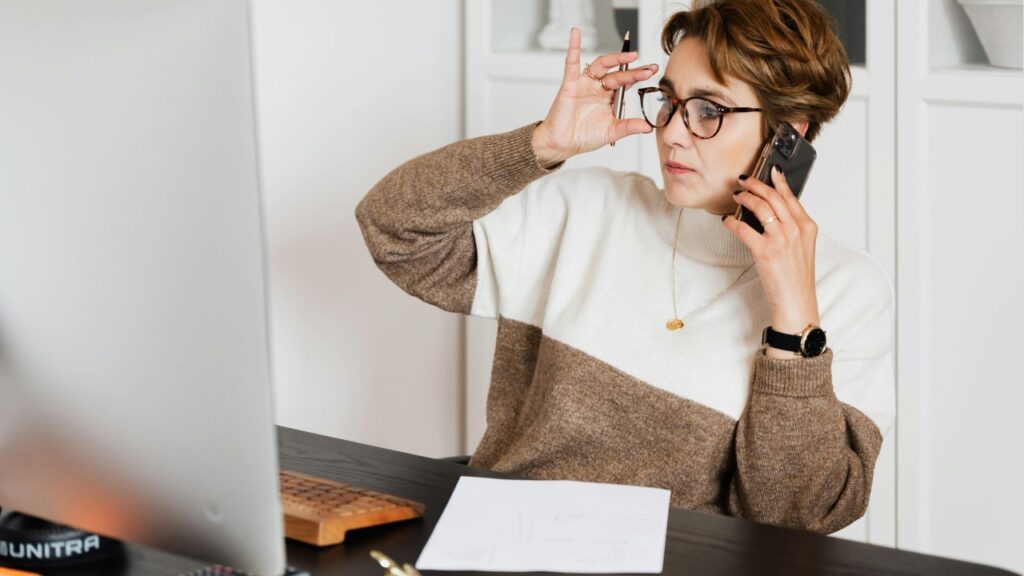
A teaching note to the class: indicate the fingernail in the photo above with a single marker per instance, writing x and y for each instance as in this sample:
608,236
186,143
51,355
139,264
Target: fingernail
778,169
745,176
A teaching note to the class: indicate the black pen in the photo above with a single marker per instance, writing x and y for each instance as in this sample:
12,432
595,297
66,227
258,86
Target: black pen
620,93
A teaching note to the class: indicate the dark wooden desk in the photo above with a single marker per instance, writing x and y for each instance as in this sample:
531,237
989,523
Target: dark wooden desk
698,543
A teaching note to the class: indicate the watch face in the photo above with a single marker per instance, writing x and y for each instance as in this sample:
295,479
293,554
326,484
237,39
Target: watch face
814,344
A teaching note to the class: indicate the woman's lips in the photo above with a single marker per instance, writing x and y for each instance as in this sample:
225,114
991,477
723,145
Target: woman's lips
677,170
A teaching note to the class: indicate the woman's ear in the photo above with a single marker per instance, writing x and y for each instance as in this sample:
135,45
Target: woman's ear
801,127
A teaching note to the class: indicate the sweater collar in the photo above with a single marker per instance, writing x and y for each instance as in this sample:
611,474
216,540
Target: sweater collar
703,237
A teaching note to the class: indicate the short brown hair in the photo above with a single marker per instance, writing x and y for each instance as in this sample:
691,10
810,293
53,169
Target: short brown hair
787,50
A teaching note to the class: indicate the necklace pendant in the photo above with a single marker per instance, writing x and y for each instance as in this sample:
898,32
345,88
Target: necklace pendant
674,324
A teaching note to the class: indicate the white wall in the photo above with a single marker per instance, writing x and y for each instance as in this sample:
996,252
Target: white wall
346,92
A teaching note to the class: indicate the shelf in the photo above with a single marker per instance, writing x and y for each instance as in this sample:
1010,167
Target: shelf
974,84
952,40
957,69
515,25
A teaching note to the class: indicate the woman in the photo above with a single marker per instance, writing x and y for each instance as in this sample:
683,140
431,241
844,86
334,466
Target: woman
583,268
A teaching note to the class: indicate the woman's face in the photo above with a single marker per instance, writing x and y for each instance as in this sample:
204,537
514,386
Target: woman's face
717,162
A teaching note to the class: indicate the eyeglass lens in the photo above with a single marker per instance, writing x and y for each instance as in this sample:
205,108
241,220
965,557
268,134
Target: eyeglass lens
700,115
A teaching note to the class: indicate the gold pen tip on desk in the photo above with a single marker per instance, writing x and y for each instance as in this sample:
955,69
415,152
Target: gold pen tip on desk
626,37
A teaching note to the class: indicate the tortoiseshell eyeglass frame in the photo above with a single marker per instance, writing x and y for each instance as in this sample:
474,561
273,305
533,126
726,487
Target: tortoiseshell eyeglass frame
680,104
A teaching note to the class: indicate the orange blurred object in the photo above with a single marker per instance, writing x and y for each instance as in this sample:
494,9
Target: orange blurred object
13,572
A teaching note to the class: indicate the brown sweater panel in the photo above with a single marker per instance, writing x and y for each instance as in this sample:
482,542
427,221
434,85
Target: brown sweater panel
571,416
417,221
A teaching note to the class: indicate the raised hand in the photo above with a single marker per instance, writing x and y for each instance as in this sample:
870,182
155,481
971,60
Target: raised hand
581,118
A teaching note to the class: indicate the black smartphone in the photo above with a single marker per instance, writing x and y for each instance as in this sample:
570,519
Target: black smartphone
793,154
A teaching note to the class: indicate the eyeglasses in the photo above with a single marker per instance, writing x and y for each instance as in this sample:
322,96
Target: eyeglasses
658,107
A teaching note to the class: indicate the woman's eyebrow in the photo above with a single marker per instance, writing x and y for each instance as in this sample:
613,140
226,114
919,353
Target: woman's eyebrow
665,83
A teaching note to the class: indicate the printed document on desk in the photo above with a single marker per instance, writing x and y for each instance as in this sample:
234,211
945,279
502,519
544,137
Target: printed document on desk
501,525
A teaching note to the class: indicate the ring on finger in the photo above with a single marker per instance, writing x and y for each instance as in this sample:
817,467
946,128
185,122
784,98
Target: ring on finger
770,219
586,70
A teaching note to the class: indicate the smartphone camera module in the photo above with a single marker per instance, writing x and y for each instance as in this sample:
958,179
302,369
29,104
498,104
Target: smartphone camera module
786,142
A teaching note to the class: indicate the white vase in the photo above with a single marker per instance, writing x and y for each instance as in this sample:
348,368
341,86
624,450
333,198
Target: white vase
1000,27
562,16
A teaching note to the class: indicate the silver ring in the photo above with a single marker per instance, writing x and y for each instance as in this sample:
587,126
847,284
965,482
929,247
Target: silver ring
770,219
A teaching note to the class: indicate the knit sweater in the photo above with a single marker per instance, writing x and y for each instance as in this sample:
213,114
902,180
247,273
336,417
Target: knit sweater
587,382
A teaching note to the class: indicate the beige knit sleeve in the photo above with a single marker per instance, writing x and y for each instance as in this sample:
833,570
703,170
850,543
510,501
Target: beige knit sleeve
803,458
418,220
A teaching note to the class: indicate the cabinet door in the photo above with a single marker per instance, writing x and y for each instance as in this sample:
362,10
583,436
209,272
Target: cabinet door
961,276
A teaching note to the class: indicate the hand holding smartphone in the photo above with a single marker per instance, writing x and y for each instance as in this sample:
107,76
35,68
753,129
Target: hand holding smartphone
793,154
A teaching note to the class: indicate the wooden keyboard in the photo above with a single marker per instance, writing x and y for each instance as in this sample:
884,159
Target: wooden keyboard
320,512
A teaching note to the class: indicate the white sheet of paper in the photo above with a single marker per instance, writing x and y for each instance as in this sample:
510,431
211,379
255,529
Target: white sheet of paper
502,525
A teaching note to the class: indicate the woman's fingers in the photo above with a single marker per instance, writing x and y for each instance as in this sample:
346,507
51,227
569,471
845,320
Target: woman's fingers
747,235
765,202
774,201
628,127
603,64
627,78
759,206
572,56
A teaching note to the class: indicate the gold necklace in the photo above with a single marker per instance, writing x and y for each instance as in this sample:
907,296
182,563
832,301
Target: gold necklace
675,323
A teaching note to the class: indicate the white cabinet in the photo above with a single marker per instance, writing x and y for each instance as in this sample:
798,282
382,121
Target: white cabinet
928,176
960,146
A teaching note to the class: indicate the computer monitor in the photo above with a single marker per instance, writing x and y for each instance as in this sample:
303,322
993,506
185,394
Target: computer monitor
135,390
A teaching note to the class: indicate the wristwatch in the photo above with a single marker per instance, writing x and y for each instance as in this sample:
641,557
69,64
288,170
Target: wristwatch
809,343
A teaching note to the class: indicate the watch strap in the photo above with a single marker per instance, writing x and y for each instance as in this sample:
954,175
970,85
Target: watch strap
795,342
780,340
